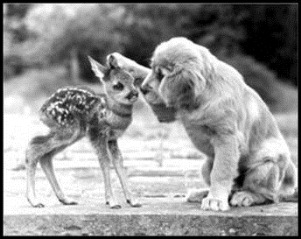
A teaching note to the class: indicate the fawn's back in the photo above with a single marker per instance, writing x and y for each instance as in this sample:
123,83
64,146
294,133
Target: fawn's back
107,114
68,106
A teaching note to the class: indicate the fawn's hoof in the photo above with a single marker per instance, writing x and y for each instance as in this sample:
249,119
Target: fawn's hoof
134,203
39,205
117,206
113,205
35,203
66,201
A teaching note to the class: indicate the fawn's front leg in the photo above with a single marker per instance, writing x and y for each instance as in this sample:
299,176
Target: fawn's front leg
117,162
104,161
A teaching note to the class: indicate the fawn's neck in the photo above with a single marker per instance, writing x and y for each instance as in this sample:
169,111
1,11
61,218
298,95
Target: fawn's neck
119,109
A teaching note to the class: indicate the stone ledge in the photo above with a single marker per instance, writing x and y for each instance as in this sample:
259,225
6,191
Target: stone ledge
157,216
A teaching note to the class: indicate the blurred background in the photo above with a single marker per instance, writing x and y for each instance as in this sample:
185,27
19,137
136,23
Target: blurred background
46,47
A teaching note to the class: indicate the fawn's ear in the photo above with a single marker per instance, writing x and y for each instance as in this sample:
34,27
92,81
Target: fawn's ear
97,68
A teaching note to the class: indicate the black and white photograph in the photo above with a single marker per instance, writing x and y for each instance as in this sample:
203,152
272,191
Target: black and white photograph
150,119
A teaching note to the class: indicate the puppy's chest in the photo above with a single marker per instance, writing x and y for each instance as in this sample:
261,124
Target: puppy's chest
200,136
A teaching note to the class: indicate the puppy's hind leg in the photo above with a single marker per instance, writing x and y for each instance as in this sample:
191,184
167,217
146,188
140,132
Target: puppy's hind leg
289,188
259,186
262,182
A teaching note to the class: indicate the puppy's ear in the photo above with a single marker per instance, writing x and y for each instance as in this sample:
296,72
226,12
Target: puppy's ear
98,69
198,80
187,85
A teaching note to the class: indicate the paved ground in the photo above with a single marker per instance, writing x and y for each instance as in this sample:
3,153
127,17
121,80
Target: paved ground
162,216
161,164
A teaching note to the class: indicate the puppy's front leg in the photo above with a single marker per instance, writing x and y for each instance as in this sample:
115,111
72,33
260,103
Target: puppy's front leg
137,70
223,172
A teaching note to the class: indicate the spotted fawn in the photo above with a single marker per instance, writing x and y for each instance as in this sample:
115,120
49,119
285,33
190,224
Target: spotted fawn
71,114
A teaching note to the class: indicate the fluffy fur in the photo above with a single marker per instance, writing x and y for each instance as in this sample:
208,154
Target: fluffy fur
248,160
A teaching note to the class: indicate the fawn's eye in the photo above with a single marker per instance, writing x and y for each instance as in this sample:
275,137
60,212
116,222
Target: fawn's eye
118,86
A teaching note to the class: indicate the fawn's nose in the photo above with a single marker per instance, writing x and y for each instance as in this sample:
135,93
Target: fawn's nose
132,94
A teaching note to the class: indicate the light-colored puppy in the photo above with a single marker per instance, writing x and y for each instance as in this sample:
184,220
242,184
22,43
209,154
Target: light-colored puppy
226,120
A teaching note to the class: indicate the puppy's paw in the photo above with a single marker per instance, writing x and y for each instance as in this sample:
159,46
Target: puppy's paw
113,60
117,60
215,204
242,199
196,195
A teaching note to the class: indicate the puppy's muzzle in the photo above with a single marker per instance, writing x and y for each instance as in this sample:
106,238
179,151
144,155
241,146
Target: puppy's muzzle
146,89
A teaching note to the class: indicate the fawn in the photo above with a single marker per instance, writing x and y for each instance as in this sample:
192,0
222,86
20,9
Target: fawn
71,114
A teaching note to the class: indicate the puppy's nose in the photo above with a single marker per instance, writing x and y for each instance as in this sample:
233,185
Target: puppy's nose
145,89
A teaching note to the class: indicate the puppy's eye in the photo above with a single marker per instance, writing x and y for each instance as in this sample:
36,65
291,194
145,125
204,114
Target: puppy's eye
118,86
159,75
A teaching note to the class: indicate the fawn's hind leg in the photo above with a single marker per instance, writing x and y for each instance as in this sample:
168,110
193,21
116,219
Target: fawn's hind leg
117,162
42,148
46,164
32,157
38,148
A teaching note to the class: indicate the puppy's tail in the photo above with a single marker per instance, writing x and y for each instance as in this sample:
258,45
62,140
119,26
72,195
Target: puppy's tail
289,187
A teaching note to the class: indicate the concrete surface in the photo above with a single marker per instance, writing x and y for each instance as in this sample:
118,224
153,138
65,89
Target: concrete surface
160,171
159,216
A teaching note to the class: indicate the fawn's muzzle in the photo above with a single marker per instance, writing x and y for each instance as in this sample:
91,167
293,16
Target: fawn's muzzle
132,94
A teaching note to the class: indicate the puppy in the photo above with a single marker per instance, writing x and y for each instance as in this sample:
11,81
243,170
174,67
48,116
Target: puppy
248,161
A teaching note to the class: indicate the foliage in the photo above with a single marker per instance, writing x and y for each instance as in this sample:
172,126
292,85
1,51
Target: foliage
260,40
60,27
258,76
271,37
